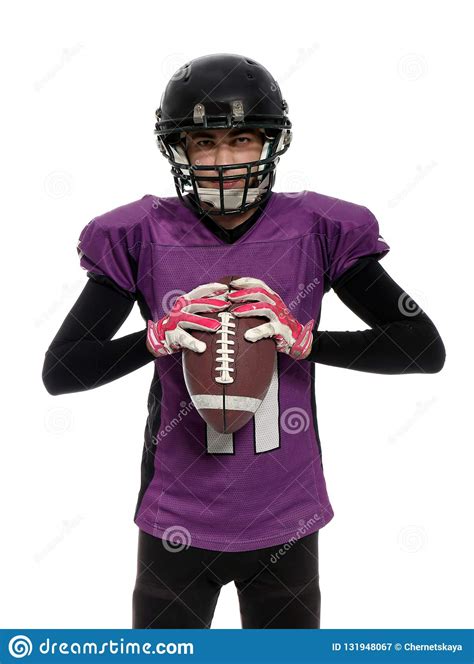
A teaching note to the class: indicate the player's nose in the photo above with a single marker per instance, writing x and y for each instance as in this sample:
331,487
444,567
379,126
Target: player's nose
222,154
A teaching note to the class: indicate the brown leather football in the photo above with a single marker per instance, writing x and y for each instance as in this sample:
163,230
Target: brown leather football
228,382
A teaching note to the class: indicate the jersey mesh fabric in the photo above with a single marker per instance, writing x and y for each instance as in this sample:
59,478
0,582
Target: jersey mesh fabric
264,484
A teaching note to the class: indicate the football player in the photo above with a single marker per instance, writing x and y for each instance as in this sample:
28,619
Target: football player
245,507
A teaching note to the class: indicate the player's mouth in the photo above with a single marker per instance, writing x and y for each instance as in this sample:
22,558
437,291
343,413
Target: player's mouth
231,184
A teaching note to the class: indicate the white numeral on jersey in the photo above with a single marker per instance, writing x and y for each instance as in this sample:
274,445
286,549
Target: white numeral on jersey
266,424
267,421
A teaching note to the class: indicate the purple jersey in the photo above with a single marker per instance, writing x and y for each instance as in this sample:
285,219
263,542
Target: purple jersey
264,484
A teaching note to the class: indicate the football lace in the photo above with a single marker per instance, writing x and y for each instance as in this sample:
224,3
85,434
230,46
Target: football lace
225,369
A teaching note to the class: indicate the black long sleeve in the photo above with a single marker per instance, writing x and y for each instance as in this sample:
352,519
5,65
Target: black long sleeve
83,355
402,338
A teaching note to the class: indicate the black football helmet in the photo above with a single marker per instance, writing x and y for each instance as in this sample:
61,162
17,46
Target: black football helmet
216,92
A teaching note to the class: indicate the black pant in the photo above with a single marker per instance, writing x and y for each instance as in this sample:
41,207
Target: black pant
278,587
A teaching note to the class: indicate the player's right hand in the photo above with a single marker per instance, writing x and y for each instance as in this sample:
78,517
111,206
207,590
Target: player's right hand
168,335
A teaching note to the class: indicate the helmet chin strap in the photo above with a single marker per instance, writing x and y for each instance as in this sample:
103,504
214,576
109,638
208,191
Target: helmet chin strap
233,197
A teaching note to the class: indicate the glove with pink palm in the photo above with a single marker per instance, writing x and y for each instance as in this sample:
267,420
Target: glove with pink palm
168,335
291,337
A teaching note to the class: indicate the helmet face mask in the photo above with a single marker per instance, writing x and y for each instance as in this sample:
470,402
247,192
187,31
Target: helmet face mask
235,85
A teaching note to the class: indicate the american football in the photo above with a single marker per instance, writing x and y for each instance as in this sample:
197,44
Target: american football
229,380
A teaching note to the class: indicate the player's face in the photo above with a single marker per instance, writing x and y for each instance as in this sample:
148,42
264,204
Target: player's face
218,147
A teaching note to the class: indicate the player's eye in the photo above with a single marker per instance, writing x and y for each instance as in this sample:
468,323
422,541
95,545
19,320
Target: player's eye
204,143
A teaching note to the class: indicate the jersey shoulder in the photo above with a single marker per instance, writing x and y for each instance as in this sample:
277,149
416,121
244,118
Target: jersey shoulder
127,215
109,243
346,231
314,213
331,214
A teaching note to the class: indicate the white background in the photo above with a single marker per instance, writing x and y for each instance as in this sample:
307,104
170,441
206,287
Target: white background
379,97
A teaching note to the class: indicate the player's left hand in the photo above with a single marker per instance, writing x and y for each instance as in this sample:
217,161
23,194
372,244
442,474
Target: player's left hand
291,337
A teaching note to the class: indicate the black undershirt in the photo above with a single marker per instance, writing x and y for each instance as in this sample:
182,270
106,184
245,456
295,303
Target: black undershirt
83,355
